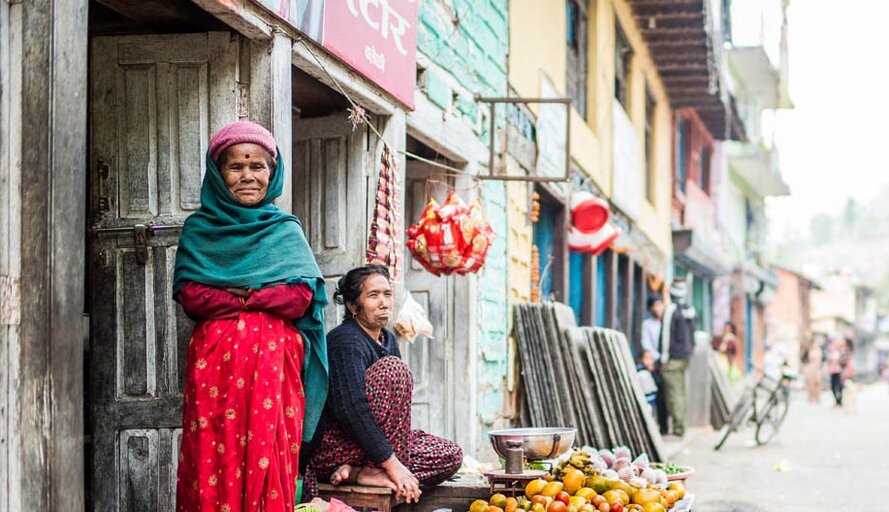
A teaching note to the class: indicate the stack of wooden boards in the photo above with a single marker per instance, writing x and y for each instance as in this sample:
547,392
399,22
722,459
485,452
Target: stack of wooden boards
582,377
721,397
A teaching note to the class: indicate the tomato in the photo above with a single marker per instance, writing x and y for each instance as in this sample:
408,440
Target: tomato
542,500
617,507
556,506
563,497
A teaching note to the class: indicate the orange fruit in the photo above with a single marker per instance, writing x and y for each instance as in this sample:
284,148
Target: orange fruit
653,507
552,488
586,492
643,496
478,506
577,501
678,487
672,497
498,500
492,508
573,480
511,505
535,487
616,496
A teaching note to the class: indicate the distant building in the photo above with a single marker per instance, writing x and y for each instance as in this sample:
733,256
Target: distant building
788,317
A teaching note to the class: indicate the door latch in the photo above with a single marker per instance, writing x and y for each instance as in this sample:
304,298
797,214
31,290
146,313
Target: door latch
104,203
140,238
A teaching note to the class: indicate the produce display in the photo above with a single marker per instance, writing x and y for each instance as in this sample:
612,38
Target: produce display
589,480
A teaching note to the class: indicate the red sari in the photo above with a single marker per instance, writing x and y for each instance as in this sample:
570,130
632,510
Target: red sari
243,402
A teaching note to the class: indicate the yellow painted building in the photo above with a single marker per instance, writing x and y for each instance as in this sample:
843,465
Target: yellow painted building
539,47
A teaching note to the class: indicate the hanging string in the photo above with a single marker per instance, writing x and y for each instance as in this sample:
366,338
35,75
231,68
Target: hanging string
433,183
358,115
456,172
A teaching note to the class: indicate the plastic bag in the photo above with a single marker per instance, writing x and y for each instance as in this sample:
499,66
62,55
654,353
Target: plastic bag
412,320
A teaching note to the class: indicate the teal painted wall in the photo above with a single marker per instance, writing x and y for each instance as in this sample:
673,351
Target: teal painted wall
466,43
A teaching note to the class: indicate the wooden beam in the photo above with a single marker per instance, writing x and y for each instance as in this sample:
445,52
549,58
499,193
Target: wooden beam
168,15
49,370
242,17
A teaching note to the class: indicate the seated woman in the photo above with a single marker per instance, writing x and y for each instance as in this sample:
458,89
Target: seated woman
368,437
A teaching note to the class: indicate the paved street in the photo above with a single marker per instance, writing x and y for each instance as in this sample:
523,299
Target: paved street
823,457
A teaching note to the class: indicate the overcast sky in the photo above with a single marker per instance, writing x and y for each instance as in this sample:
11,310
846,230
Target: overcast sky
834,144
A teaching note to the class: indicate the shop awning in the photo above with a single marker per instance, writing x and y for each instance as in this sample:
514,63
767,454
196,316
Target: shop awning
699,253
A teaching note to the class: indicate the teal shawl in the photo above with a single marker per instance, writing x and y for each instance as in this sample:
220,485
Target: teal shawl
226,244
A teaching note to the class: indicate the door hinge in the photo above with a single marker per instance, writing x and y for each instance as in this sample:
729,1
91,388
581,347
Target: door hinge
10,300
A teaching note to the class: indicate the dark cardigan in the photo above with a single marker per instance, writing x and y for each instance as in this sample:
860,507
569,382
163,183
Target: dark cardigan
351,351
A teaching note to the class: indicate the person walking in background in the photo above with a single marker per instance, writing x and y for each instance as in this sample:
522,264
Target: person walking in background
676,347
814,372
651,334
835,369
728,349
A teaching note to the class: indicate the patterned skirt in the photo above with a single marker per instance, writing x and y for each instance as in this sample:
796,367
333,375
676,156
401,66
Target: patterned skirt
242,416
389,387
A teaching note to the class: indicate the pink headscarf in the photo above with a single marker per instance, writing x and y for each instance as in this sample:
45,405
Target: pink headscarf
240,132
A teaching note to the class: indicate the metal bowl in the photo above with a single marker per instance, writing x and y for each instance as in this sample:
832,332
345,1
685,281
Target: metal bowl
538,443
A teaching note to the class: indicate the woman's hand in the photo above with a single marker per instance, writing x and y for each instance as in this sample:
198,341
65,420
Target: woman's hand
406,483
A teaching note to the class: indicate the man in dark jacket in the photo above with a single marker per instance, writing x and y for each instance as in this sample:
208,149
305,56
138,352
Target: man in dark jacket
676,347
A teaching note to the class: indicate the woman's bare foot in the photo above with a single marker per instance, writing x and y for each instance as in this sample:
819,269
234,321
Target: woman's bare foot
375,477
344,474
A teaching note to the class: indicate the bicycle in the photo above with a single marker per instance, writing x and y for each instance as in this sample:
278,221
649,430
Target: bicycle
768,416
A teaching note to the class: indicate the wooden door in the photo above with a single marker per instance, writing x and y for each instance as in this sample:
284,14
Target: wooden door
154,102
332,165
430,360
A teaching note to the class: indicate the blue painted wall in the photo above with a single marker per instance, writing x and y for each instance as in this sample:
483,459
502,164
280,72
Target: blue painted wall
466,43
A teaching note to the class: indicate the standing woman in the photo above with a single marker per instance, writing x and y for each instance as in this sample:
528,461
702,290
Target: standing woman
246,274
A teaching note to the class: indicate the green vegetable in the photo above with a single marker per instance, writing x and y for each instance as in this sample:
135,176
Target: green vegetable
670,468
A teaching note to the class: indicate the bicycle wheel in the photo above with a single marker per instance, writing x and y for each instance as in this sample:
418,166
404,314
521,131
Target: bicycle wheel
769,423
739,415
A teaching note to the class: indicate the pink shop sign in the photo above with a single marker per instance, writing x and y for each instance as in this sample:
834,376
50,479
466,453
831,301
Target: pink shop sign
378,38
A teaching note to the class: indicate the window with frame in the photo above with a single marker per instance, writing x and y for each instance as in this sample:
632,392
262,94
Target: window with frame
576,42
706,157
622,54
649,145
682,153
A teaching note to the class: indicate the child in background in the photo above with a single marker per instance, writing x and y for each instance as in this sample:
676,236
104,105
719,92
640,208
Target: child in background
645,370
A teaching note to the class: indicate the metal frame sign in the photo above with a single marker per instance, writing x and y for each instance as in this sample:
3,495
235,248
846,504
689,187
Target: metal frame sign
378,38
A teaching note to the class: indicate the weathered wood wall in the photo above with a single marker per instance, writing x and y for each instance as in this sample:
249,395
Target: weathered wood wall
44,49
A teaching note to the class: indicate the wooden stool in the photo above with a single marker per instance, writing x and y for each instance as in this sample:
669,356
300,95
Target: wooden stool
360,496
